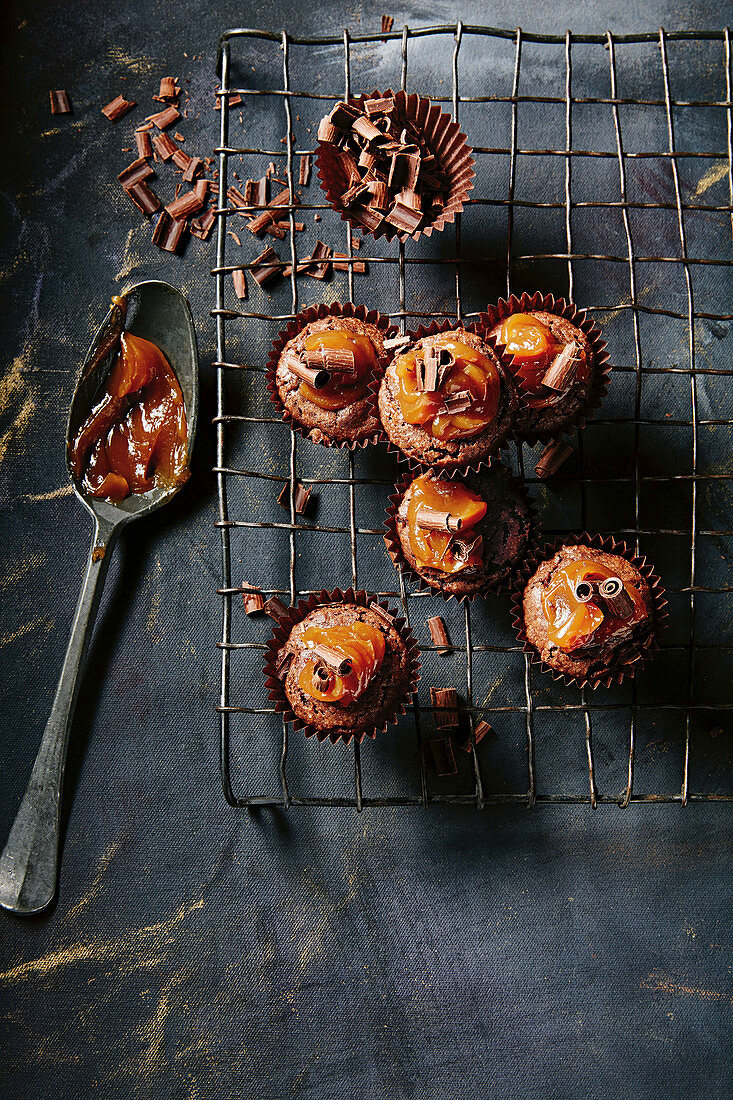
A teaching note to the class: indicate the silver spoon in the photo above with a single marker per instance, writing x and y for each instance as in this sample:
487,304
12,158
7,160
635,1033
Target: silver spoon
159,313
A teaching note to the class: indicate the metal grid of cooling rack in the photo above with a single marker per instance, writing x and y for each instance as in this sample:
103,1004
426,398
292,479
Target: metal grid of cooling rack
460,33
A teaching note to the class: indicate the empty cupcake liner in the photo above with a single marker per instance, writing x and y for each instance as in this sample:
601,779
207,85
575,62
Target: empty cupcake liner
495,314
396,552
635,653
280,635
304,318
446,141
448,472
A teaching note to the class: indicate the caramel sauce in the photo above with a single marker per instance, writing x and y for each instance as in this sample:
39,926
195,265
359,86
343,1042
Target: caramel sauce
359,643
135,438
472,371
574,624
343,389
533,348
432,548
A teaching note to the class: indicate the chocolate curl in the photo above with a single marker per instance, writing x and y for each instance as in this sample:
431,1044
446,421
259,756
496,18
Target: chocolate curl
190,202
317,378
284,662
438,521
253,600
583,591
327,132
382,613
343,114
166,118
60,103
396,342
617,600
136,172
144,198
276,609
552,458
334,360
168,89
457,403
304,173
240,283
480,731
387,21
367,130
164,146
144,145
117,108
439,635
168,232
563,370
267,266
384,105
445,707
333,659
444,760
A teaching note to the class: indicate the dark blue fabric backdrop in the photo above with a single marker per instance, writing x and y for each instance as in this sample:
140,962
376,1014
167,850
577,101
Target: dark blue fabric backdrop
196,951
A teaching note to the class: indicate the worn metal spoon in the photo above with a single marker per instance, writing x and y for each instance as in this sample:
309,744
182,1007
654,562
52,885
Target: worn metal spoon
159,313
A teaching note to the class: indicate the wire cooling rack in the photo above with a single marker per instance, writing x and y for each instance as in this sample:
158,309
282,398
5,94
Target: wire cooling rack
587,142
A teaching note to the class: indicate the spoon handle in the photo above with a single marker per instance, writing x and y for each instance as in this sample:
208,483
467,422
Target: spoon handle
29,864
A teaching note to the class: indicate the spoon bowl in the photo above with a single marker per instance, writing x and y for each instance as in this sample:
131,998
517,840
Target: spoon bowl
158,313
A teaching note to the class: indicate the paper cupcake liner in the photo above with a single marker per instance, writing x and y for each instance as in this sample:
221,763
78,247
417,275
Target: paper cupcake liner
281,633
396,552
306,317
447,472
447,142
495,314
637,652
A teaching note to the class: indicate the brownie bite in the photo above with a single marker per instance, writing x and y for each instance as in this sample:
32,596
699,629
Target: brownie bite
446,401
555,369
322,379
588,613
345,669
462,536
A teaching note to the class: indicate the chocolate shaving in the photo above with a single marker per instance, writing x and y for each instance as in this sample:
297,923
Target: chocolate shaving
195,165
181,160
164,146
333,659
583,591
253,600
201,227
284,661
304,173
190,202
118,107
267,266
179,137
136,172
439,521
445,707
166,118
60,103
275,608
341,263
481,729
320,268
463,548
617,600
457,403
144,198
168,88
444,761
382,613
240,283
552,458
168,232
439,634
315,377
236,198
257,225
563,370
301,497
387,21
144,145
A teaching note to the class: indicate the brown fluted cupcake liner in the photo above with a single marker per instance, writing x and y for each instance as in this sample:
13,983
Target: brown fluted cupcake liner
304,318
637,652
396,552
280,635
447,472
446,141
495,314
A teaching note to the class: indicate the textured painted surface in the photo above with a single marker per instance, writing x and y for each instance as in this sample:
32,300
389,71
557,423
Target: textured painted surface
196,952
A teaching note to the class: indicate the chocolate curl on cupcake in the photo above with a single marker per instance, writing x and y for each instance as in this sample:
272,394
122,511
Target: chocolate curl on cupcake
493,548
394,165
587,609
311,373
341,666
558,358
446,401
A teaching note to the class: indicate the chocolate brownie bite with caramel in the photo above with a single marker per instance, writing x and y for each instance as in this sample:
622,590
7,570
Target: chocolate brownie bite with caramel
462,536
321,379
446,401
345,669
588,613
